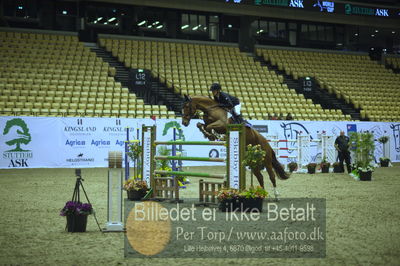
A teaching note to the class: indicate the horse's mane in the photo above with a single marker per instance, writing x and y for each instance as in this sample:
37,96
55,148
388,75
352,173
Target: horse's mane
204,98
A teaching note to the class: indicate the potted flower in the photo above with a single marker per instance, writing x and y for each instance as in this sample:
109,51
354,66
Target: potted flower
252,199
254,157
76,214
135,188
384,161
292,166
228,199
324,165
337,168
384,140
311,168
363,145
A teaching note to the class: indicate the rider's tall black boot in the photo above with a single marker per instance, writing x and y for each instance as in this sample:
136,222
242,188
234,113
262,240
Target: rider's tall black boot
238,119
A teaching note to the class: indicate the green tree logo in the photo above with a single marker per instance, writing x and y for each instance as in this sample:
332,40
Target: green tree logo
22,131
174,124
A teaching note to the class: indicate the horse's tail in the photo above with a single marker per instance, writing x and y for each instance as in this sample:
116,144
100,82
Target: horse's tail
278,168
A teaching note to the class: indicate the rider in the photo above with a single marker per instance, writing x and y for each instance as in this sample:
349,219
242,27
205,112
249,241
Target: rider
228,101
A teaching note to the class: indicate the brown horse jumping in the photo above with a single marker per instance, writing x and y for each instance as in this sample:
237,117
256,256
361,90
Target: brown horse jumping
215,121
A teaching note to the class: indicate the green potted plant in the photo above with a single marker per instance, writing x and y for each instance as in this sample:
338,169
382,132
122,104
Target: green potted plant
383,140
324,165
292,166
384,161
135,188
337,168
252,199
311,168
254,157
76,214
363,145
228,199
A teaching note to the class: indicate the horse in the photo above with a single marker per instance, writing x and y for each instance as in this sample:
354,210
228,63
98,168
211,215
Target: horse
215,121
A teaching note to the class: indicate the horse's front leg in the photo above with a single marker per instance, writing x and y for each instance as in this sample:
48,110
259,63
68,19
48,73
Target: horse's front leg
216,129
208,135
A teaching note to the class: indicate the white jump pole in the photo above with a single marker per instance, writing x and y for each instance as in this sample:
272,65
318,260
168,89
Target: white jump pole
114,200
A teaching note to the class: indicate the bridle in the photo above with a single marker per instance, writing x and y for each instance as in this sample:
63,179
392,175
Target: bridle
191,112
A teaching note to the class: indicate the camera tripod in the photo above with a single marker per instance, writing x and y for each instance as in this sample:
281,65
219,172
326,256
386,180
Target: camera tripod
76,197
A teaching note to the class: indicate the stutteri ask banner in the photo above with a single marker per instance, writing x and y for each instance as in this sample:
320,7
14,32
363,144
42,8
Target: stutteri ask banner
56,142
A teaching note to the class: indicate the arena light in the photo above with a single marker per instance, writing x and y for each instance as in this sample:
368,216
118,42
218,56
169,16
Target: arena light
355,34
112,19
376,31
184,27
20,7
160,26
141,23
195,28
64,12
393,32
100,18
149,26
372,35
229,25
105,23
155,23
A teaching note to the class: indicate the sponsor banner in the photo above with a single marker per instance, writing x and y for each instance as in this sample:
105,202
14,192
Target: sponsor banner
29,142
32,142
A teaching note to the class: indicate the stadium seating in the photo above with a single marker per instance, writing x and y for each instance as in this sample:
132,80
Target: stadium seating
192,68
56,75
393,62
355,78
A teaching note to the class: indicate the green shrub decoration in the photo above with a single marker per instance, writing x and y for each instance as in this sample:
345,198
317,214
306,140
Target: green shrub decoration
254,157
253,193
135,150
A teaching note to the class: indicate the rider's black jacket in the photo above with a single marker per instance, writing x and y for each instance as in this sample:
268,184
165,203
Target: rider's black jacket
226,100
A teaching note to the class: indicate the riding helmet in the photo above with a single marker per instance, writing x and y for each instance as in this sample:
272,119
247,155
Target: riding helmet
215,87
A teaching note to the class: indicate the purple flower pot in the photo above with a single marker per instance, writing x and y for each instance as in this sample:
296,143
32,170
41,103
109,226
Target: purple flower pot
76,223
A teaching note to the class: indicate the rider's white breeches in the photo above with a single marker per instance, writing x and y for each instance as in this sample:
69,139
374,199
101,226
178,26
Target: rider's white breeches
237,110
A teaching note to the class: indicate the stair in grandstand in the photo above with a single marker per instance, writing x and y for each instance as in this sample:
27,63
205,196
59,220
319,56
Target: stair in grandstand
159,94
320,96
122,72
395,70
164,95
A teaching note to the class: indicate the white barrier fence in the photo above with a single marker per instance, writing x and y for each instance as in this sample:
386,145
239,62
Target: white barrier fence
299,149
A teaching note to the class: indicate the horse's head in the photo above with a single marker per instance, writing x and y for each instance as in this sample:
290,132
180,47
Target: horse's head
188,111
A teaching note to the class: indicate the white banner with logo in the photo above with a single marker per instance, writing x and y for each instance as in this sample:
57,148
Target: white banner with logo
56,142
234,162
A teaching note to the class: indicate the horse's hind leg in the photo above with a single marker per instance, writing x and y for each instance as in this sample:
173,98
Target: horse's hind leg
272,178
259,177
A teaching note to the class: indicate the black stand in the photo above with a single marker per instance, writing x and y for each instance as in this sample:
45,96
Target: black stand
76,197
